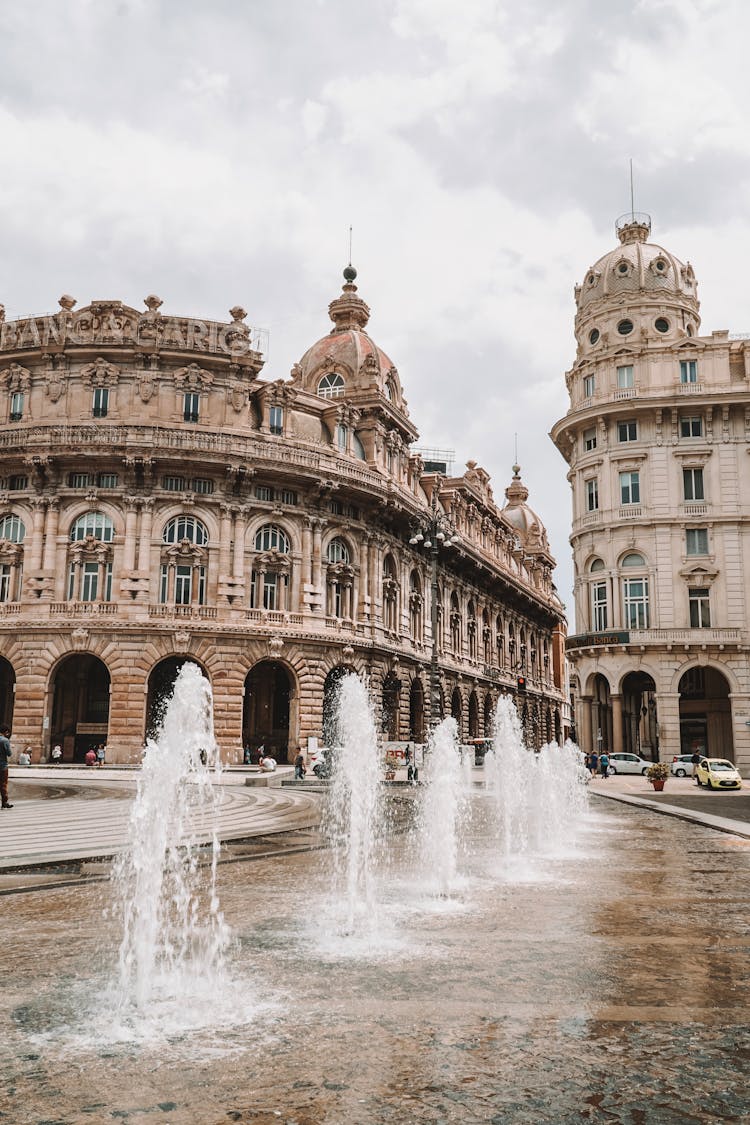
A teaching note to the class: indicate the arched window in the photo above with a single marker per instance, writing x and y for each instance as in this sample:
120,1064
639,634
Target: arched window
12,529
331,385
635,604
599,599
95,525
337,552
358,447
185,527
272,538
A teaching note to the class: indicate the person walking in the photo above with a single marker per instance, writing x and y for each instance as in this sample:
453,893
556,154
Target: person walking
696,762
604,764
299,765
5,756
56,755
593,762
101,753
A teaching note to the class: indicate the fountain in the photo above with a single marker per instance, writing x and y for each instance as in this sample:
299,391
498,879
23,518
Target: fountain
174,934
539,798
355,815
442,806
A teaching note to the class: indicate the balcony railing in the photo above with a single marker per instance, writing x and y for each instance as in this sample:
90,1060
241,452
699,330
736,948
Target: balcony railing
630,512
625,392
85,609
687,637
689,388
695,508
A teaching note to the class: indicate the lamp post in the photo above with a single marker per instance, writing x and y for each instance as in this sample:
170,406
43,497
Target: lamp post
433,533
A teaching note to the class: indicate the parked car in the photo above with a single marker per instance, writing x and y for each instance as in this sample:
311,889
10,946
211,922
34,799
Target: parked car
682,765
718,773
627,763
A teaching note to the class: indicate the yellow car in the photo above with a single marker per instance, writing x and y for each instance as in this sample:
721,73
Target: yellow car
718,773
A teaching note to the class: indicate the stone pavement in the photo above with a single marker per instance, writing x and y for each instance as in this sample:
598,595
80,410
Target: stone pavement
681,797
63,815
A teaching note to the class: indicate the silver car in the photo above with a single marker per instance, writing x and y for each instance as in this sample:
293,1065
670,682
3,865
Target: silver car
627,763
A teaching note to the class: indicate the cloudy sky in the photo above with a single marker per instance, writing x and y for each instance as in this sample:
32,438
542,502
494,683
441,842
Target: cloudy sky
217,154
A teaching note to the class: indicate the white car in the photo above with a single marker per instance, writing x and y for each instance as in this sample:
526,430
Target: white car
682,765
627,763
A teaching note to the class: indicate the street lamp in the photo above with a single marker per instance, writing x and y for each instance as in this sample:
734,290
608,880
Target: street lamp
434,533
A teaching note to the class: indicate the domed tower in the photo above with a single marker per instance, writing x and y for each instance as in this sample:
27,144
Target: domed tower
654,439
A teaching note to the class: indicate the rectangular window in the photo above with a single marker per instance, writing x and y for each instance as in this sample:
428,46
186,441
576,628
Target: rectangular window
625,377
599,607
592,495
589,440
89,582
276,420
100,402
191,406
692,484
173,484
630,488
688,370
5,591
79,480
107,480
691,427
635,602
263,492
201,585
16,406
71,582
288,496
202,485
163,584
335,507
342,437
183,585
270,583
696,541
17,484
108,582
700,611
627,431
589,386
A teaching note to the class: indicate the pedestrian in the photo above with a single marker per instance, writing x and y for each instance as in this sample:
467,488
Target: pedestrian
412,774
696,762
299,765
56,755
267,763
101,751
247,756
604,764
90,758
24,758
5,756
593,762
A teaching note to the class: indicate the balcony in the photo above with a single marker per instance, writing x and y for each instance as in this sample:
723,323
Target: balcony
694,508
625,392
662,638
689,388
84,609
630,512
202,612
591,518
273,617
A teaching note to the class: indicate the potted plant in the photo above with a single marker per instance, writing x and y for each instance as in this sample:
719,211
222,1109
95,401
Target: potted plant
657,775
391,765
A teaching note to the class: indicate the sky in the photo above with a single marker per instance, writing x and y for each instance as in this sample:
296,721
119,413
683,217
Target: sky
218,154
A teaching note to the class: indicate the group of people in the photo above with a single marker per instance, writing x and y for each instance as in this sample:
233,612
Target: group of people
95,755
597,764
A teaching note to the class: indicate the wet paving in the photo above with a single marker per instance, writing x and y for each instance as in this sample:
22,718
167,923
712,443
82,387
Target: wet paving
608,985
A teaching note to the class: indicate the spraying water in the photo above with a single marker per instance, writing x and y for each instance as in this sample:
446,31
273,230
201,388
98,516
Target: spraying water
174,935
442,806
539,797
355,813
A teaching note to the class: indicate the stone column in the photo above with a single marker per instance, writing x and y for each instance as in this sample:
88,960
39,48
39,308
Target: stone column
225,541
144,545
617,742
583,724
316,556
37,535
131,524
364,562
307,551
50,534
238,562
668,718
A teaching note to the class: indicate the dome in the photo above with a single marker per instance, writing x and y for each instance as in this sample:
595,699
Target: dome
348,359
527,524
637,267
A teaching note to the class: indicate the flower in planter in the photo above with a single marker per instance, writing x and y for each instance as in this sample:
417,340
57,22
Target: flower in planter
659,771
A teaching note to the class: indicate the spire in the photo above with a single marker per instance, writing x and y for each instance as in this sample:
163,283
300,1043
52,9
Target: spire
516,493
349,310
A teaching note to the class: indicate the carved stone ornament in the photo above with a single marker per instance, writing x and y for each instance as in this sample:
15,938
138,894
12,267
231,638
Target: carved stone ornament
80,638
237,396
192,377
275,645
152,302
181,640
67,302
347,652
100,373
16,378
146,386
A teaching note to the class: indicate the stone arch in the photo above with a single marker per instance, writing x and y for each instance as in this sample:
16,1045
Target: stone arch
457,710
330,699
489,715
416,711
269,708
79,687
639,714
601,713
7,692
706,725
473,712
288,525
205,513
76,509
391,699
347,538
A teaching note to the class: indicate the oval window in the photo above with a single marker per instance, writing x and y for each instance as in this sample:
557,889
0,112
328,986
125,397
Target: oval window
661,325
625,327
660,265
591,279
593,335
623,267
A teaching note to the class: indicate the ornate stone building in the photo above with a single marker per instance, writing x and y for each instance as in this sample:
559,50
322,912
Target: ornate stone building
160,502
656,438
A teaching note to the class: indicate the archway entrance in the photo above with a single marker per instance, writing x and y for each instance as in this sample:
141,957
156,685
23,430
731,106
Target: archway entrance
160,687
601,715
489,716
456,711
391,696
639,716
416,711
330,701
265,714
80,705
705,714
7,692
473,715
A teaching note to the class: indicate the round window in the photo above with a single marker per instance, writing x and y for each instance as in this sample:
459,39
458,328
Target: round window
625,327
661,325
593,335
591,279
660,265
623,267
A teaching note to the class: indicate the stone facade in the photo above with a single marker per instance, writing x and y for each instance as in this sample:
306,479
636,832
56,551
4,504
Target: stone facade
160,502
656,439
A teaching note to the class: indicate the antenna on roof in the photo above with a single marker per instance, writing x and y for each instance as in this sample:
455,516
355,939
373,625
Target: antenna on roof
516,446
350,245
632,197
